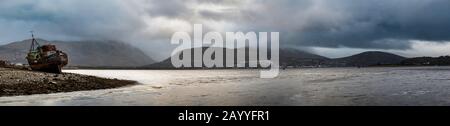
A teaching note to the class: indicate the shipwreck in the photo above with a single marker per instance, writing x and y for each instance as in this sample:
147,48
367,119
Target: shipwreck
46,58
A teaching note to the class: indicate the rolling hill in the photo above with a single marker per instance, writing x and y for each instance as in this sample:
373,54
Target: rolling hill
371,58
288,57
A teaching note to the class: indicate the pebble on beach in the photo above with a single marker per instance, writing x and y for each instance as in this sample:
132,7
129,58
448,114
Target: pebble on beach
15,82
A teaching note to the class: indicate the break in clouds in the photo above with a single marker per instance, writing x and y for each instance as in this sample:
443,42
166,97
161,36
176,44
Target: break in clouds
149,24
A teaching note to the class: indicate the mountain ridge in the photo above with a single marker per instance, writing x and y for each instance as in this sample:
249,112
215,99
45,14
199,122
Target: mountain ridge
290,57
82,53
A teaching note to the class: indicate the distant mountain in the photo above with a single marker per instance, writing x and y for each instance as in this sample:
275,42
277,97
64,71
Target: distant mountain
298,58
83,53
371,58
167,63
427,61
288,57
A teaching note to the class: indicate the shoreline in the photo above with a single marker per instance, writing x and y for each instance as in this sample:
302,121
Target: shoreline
135,68
16,82
20,82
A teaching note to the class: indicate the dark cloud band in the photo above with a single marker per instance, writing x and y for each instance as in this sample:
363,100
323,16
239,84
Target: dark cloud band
372,24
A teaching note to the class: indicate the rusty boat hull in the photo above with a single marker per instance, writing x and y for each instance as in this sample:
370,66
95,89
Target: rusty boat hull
46,58
52,64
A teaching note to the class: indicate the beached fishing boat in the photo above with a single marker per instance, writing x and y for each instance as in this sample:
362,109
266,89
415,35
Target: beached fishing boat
46,58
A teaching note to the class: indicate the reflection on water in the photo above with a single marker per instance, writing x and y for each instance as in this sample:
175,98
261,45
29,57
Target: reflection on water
322,86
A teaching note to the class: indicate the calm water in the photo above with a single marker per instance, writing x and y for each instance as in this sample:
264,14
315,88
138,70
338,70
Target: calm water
298,87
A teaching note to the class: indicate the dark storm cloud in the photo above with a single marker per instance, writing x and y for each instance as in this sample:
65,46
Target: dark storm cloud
169,8
382,24
148,24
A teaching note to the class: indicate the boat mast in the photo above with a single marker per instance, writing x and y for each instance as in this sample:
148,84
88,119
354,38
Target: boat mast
34,43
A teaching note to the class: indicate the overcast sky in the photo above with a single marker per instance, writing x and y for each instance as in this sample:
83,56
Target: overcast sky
333,28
